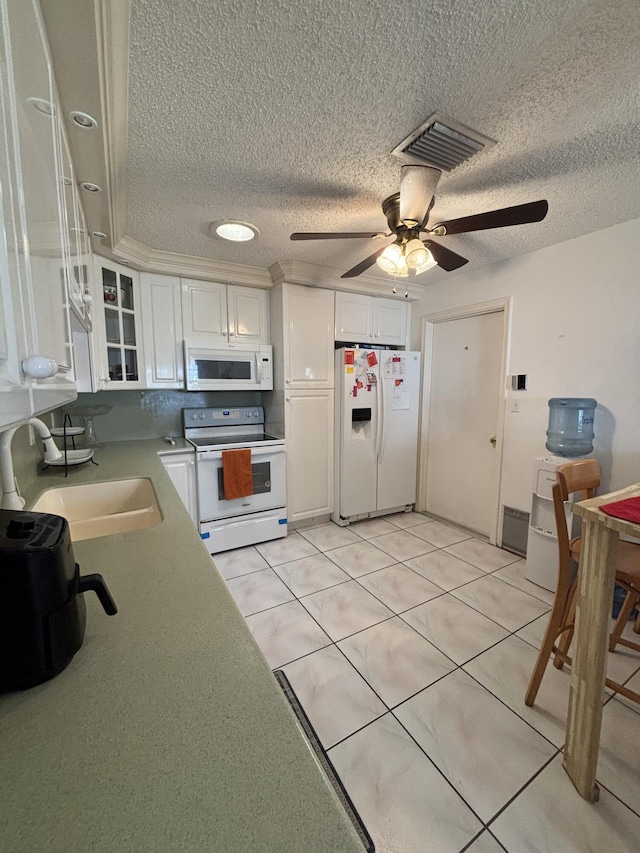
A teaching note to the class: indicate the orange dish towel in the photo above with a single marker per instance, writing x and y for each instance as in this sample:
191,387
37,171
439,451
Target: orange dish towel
236,473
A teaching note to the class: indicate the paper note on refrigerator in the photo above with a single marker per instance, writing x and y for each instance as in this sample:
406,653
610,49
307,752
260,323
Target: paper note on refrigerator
400,397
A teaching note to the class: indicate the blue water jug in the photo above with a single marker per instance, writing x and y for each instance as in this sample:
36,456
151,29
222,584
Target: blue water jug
570,430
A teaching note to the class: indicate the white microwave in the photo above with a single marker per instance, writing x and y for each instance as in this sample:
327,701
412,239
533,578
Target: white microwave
228,369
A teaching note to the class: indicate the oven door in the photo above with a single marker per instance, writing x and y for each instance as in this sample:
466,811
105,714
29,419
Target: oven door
268,468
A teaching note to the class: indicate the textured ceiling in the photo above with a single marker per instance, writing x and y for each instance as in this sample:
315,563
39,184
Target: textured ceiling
284,114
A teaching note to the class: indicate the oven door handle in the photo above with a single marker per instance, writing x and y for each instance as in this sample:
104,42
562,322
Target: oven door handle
205,455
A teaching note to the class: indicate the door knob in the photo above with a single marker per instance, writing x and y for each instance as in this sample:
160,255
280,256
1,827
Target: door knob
493,440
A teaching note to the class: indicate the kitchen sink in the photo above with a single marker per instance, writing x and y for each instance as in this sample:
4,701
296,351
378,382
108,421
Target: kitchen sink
102,509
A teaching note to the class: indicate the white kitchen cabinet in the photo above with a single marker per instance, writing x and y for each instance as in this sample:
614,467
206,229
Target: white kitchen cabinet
308,419
390,321
181,468
214,313
371,319
204,311
248,314
14,389
301,404
302,333
72,227
162,331
77,243
119,329
35,308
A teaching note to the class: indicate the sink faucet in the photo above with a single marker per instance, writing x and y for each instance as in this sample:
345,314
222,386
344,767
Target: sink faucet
10,497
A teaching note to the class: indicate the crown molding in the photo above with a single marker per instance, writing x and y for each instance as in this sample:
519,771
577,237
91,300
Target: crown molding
112,37
190,266
147,259
314,275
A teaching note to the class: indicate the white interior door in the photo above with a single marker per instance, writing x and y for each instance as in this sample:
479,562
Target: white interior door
466,389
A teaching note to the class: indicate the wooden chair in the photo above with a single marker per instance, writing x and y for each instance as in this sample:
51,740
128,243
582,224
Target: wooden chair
582,477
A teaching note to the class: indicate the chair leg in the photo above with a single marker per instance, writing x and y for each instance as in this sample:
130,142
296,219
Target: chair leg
636,625
556,623
568,619
623,617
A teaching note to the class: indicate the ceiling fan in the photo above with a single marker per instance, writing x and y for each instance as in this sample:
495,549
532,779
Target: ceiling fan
407,214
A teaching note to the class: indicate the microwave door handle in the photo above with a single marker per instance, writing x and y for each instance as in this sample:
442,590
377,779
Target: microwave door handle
258,376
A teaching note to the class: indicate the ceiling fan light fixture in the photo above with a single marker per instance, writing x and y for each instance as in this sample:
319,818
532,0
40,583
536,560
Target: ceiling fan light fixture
428,264
234,230
416,253
392,259
402,271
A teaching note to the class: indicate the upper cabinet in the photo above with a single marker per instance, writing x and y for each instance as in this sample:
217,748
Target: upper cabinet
302,332
119,331
34,254
214,313
162,331
370,319
77,244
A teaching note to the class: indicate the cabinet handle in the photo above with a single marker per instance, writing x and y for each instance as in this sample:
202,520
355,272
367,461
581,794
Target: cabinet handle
231,334
287,399
39,367
287,381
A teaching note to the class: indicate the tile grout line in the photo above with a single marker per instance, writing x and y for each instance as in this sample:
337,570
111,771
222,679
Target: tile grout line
390,710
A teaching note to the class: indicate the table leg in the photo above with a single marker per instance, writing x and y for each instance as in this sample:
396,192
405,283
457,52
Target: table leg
593,625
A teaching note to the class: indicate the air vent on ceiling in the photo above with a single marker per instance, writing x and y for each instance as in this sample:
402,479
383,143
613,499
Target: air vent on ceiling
442,143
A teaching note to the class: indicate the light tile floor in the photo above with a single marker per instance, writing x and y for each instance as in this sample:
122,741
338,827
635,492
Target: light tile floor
410,644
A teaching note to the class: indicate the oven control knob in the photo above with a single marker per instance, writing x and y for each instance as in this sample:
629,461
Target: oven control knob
202,416
193,416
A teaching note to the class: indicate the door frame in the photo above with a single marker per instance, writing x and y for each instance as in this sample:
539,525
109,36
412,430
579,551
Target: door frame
494,306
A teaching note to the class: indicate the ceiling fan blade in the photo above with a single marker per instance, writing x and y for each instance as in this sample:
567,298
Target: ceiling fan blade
331,235
445,258
363,265
417,186
520,214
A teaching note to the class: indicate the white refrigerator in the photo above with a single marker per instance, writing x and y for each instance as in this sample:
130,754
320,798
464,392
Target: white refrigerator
377,412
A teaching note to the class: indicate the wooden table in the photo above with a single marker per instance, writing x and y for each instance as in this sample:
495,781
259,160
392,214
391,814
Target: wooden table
593,625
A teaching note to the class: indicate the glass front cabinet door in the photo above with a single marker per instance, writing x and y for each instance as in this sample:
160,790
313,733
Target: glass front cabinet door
122,359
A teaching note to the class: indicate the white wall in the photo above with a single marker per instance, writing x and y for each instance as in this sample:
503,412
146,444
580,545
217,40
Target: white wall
575,332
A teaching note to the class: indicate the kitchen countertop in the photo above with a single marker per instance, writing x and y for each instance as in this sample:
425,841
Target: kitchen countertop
167,731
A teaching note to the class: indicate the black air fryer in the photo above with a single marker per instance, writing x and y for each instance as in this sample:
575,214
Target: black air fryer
42,607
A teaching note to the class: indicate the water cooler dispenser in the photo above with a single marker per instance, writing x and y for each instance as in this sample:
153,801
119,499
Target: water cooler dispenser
570,436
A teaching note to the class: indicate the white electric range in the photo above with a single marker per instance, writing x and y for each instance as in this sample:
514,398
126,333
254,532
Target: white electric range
226,524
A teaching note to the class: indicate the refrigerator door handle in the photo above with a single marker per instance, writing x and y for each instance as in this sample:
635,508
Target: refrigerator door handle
380,418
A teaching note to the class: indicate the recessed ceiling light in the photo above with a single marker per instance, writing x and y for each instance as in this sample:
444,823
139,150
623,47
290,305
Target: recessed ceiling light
83,120
90,188
235,230
44,107
99,234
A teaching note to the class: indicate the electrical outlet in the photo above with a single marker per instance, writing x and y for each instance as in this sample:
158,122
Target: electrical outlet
515,405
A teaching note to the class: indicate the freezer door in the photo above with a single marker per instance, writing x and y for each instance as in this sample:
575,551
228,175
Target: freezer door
398,455
356,432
